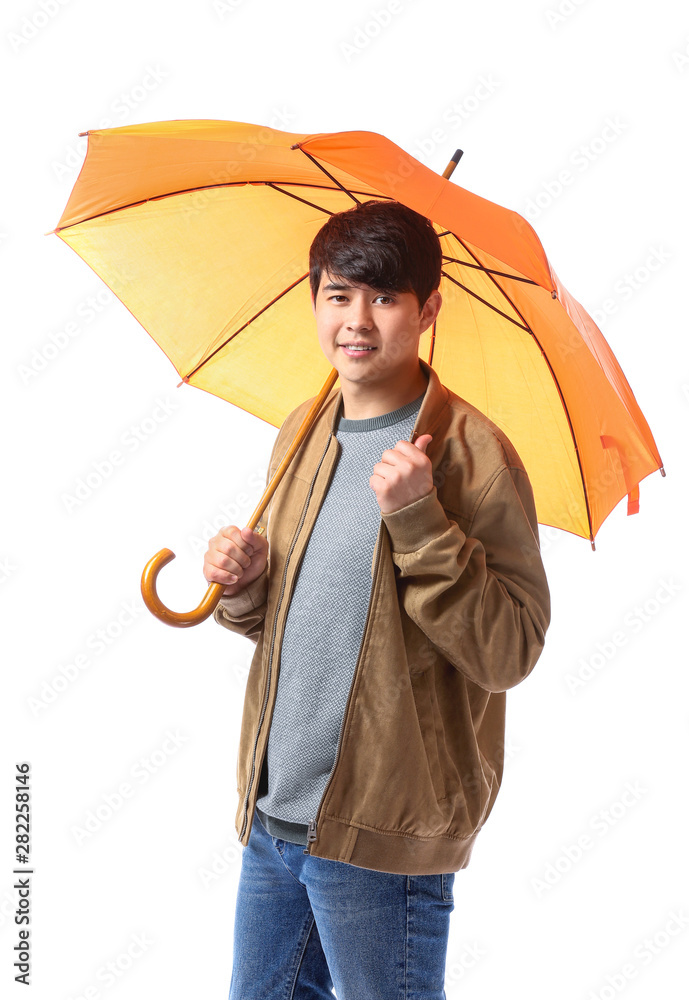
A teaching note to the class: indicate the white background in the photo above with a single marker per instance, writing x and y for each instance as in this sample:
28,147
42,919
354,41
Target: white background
524,91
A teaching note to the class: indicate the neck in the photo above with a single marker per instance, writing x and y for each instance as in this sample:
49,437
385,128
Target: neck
362,401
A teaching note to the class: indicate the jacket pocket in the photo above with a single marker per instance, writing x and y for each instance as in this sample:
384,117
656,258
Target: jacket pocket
427,725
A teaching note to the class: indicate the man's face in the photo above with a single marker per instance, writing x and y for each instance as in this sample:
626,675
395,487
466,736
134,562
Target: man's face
390,325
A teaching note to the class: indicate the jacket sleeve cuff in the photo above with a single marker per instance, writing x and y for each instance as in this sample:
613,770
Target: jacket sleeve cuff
248,599
418,523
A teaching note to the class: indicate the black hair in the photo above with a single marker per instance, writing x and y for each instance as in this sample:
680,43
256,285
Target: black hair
383,244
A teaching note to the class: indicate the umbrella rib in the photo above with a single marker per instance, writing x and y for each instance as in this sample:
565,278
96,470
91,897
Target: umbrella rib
294,284
320,167
289,194
201,187
489,270
486,303
550,369
430,353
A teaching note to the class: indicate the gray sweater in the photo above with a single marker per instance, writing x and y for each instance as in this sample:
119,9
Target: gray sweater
324,629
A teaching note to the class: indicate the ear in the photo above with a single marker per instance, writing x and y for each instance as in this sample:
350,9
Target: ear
430,310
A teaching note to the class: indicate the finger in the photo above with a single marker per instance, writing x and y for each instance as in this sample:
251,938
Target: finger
216,575
250,538
230,550
411,450
423,442
390,456
231,534
400,454
405,451
389,473
256,541
227,564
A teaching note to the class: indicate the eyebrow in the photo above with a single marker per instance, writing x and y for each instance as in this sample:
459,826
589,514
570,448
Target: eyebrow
333,286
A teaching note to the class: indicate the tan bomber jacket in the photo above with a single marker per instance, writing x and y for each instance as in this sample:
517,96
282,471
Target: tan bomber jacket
458,613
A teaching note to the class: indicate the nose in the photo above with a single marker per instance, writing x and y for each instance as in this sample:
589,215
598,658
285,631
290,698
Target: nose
359,316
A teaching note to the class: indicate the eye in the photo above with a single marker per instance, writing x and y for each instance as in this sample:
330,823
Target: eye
387,298
334,298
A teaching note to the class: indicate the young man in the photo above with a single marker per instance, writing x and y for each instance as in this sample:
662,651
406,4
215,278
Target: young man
397,594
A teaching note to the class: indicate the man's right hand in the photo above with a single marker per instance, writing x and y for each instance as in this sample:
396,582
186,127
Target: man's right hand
235,557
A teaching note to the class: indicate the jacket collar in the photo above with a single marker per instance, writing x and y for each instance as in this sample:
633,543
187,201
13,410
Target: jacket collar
433,402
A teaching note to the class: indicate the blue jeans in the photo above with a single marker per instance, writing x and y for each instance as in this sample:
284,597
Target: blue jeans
305,924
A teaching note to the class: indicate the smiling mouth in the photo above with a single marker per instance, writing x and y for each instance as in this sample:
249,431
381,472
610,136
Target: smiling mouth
357,347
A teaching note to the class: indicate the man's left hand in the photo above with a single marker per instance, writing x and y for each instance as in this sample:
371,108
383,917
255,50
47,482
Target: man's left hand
403,475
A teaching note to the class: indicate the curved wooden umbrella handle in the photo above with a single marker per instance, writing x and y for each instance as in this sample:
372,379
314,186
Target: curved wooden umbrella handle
178,618
210,601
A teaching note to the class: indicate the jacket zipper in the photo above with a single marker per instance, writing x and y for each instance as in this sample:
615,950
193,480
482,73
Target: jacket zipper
312,831
272,640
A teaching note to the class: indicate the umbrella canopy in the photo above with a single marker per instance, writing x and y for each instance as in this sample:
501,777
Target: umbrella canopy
203,228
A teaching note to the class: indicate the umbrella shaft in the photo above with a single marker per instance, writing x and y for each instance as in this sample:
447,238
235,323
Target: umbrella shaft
212,596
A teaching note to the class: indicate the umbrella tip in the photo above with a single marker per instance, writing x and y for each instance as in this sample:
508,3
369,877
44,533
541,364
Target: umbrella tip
449,169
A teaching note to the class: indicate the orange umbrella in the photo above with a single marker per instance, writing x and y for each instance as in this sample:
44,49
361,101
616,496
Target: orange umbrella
202,229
